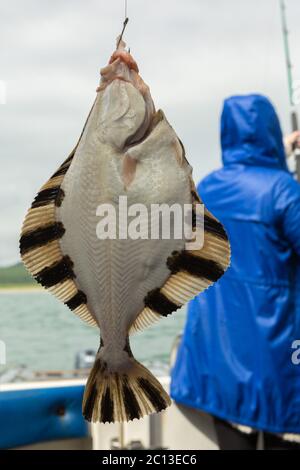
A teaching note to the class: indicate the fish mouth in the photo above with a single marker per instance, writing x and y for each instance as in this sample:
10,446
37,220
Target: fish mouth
119,70
125,56
123,67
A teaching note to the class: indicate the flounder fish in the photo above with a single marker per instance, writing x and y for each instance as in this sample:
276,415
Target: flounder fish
122,284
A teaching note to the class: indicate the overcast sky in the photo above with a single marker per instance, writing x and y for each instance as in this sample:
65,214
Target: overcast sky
191,53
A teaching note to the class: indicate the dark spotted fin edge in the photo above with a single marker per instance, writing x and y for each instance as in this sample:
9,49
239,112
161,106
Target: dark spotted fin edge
191,272
40,248
121,397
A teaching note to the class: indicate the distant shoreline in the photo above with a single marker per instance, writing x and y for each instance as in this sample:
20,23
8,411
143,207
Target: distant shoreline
21,288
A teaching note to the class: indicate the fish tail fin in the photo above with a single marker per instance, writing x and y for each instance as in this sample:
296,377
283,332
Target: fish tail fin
118,397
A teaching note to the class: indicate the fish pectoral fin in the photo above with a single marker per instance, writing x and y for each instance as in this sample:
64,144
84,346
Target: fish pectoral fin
112,396
128,169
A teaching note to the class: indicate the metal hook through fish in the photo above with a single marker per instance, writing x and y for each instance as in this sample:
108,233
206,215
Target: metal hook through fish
121,35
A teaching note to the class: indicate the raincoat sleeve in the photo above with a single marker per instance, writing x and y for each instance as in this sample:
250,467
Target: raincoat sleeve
288,210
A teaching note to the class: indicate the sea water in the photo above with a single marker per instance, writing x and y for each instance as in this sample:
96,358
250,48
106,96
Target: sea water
41,333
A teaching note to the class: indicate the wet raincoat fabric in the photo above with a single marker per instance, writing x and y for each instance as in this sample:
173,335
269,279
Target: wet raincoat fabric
239,356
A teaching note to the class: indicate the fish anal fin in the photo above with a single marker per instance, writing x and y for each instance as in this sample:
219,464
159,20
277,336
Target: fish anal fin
146,318
192,272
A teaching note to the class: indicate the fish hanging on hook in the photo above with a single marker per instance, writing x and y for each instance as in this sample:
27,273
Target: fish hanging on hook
120,285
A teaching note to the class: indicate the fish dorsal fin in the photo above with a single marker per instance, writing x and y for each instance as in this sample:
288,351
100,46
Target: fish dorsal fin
192,272
40,247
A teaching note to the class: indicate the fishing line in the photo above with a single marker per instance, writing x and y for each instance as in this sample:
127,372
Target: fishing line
124,24
289,66
266,51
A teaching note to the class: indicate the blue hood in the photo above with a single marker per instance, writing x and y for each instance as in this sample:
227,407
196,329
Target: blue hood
251,133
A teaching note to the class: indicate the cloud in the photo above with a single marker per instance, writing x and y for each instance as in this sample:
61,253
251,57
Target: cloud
192,54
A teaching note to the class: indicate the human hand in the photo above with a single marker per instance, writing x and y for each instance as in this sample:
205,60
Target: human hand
291,142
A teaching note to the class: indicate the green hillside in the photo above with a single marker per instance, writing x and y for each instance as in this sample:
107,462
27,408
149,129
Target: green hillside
15,275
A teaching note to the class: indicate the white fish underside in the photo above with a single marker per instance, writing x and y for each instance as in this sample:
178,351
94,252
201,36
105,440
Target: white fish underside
116,275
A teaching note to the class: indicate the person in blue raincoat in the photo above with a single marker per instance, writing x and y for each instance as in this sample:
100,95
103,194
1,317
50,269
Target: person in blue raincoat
238,355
